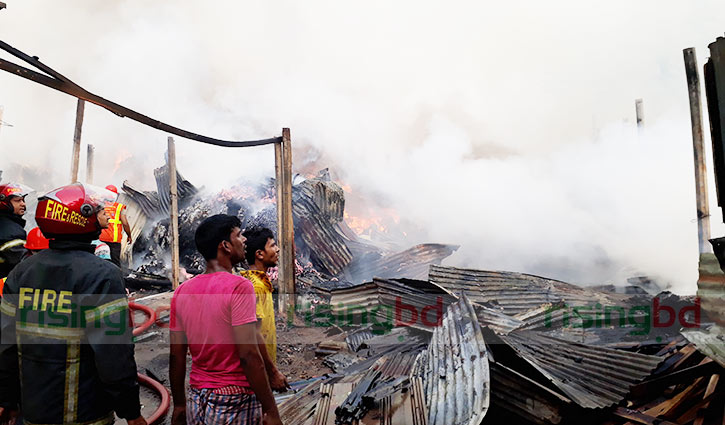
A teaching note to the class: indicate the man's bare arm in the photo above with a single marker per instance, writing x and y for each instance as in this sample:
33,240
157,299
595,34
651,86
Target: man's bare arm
245,337
177,375
277,381
126,226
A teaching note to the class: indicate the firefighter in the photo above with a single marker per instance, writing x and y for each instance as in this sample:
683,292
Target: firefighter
35,243
12,225
66,352
117,224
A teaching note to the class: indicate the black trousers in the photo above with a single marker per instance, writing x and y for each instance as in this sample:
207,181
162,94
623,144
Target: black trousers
115,252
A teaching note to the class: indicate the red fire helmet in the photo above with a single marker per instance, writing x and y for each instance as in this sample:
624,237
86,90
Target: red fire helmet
9,190
36,241
71,209
112,188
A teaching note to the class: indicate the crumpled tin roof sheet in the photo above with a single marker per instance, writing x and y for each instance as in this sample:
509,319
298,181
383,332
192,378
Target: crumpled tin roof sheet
457,374
515,292
593,377
710,342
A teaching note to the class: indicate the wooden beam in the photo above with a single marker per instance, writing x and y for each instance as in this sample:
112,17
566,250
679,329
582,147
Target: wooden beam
288,232
671,405
75,159
55,80
698,141
708,367
639,417
174,214
89,164
709,394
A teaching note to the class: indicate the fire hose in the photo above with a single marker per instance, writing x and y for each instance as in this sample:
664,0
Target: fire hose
144,380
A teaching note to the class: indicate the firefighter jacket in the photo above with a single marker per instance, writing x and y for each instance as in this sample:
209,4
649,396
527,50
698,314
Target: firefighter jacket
66,351
12,239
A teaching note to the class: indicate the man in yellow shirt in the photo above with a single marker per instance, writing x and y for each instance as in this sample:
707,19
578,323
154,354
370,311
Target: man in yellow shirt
262,253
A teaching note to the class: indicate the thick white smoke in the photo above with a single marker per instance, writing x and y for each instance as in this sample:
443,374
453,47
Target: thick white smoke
505,127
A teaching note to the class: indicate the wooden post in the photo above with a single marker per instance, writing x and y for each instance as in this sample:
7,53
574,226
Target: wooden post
639,110
174,214
281,271
288,232
703,208
80,108
285,225
89,164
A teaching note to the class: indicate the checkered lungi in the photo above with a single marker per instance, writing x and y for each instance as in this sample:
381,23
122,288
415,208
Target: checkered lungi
223,406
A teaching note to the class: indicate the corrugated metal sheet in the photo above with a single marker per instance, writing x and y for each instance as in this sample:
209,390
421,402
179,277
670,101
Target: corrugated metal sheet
457,375
593,377
354,302
711,287
327,249
300,409
516,293
136,220
710,342
413,263
184,188
412,303
407,408
328,195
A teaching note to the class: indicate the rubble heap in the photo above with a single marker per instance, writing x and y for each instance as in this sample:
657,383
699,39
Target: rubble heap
481,347
327,251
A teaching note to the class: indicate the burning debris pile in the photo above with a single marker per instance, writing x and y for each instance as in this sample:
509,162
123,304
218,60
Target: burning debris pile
479,347
328,252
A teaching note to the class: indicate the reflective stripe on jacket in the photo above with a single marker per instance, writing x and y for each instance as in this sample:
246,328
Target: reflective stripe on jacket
114,233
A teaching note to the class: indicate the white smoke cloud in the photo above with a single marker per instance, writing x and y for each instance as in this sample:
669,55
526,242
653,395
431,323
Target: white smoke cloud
505,127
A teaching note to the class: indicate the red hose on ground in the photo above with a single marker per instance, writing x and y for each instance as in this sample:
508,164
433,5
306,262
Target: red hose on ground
161,390
150,313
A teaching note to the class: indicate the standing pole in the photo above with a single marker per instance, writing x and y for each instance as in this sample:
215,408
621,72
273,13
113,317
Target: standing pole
281,269
639,110
80,108
288,232
285,225
174,214
703,208
89,164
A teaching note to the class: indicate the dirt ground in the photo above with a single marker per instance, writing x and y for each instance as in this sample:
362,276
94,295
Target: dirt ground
295,350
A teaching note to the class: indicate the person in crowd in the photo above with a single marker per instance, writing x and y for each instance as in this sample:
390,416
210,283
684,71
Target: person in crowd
262,253
12,226
117,224
213,316
66,351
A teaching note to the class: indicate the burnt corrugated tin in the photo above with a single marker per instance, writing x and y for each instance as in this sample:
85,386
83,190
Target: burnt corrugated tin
711,288
327,248
300,409
710,342
496,320
184,188
357,338
405,408
409,302
413,263
328,195
351,304
525,398
457,376
517,293
593,377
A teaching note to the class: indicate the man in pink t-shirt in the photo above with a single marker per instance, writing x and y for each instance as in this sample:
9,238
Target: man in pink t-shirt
214,317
